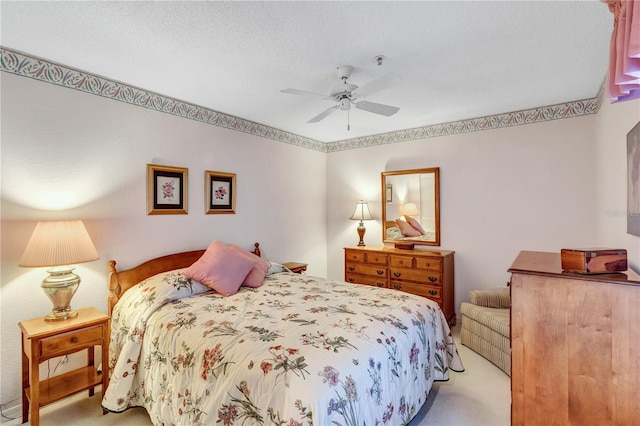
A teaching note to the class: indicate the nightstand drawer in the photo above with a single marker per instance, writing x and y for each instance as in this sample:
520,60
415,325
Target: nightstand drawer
70,342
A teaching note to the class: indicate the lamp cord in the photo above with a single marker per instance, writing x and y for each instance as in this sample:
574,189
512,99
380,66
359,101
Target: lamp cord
3,415
64,360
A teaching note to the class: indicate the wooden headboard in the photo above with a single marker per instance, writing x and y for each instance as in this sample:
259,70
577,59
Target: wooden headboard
119,282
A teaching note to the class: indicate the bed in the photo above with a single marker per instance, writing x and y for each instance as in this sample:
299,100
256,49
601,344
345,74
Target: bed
393,232
298,350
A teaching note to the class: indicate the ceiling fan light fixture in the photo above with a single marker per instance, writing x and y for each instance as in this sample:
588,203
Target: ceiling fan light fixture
346,94
342,90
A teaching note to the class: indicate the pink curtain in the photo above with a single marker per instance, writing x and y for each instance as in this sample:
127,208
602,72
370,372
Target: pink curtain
623,78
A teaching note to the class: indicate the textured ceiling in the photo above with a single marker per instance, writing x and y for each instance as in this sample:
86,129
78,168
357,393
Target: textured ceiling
456,60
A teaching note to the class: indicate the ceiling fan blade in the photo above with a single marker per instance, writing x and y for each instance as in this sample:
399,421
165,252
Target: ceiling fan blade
304,92
379,83
323,114
376,108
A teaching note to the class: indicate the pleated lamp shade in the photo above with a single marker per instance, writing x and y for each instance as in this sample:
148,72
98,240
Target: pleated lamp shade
58,243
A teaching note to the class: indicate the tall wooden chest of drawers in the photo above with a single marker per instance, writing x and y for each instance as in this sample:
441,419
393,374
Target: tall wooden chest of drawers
427,273
574,344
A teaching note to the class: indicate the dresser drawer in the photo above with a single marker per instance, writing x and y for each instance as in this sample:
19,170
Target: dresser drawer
433,293
376,258
354,256
365,269
365,279
429,263
423,276
401,261
71,341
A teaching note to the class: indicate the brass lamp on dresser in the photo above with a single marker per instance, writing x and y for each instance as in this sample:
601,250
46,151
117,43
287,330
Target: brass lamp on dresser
427,273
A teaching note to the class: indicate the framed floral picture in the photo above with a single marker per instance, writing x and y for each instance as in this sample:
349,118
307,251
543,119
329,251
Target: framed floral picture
633,181
220,192
166,189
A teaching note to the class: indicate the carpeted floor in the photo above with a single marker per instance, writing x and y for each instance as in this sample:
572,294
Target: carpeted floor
480,395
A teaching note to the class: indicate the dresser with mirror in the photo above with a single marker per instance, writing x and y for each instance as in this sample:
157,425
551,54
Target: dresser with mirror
410,217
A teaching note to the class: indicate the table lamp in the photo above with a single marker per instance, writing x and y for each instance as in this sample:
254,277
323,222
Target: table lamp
362,213
59,244
410,209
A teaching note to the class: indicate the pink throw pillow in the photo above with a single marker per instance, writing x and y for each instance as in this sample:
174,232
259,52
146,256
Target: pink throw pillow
407,229
255,278
221,268
415,224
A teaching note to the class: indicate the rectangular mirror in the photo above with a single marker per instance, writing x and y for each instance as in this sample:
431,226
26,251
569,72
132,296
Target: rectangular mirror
411,207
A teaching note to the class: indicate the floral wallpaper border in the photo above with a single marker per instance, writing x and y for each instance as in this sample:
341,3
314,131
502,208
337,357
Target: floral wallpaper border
517,118
24,65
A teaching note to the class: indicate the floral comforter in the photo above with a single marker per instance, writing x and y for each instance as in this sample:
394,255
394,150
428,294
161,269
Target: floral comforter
299,350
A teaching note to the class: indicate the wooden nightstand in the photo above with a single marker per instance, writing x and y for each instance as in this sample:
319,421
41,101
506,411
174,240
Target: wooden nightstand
296,267
44,340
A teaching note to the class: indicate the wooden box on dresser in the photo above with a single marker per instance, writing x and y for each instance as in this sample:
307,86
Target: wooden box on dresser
575,344
427,273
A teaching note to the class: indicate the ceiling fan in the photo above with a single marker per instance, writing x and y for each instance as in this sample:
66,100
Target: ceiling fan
347,94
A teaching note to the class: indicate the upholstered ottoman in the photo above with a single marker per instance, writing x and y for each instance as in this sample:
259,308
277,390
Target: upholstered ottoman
485,325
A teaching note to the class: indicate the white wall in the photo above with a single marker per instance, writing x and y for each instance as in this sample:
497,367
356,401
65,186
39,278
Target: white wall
614,122
536,187
501,191
86,156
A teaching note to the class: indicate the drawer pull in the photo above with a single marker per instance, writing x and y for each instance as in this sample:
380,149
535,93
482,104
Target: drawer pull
428,264
352,268
380,284
397,274
380,272
74,339
397,287
351,280
433,279
433,292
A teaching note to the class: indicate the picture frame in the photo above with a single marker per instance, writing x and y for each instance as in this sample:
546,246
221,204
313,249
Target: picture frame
167,189
633,181
220,192
389,193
